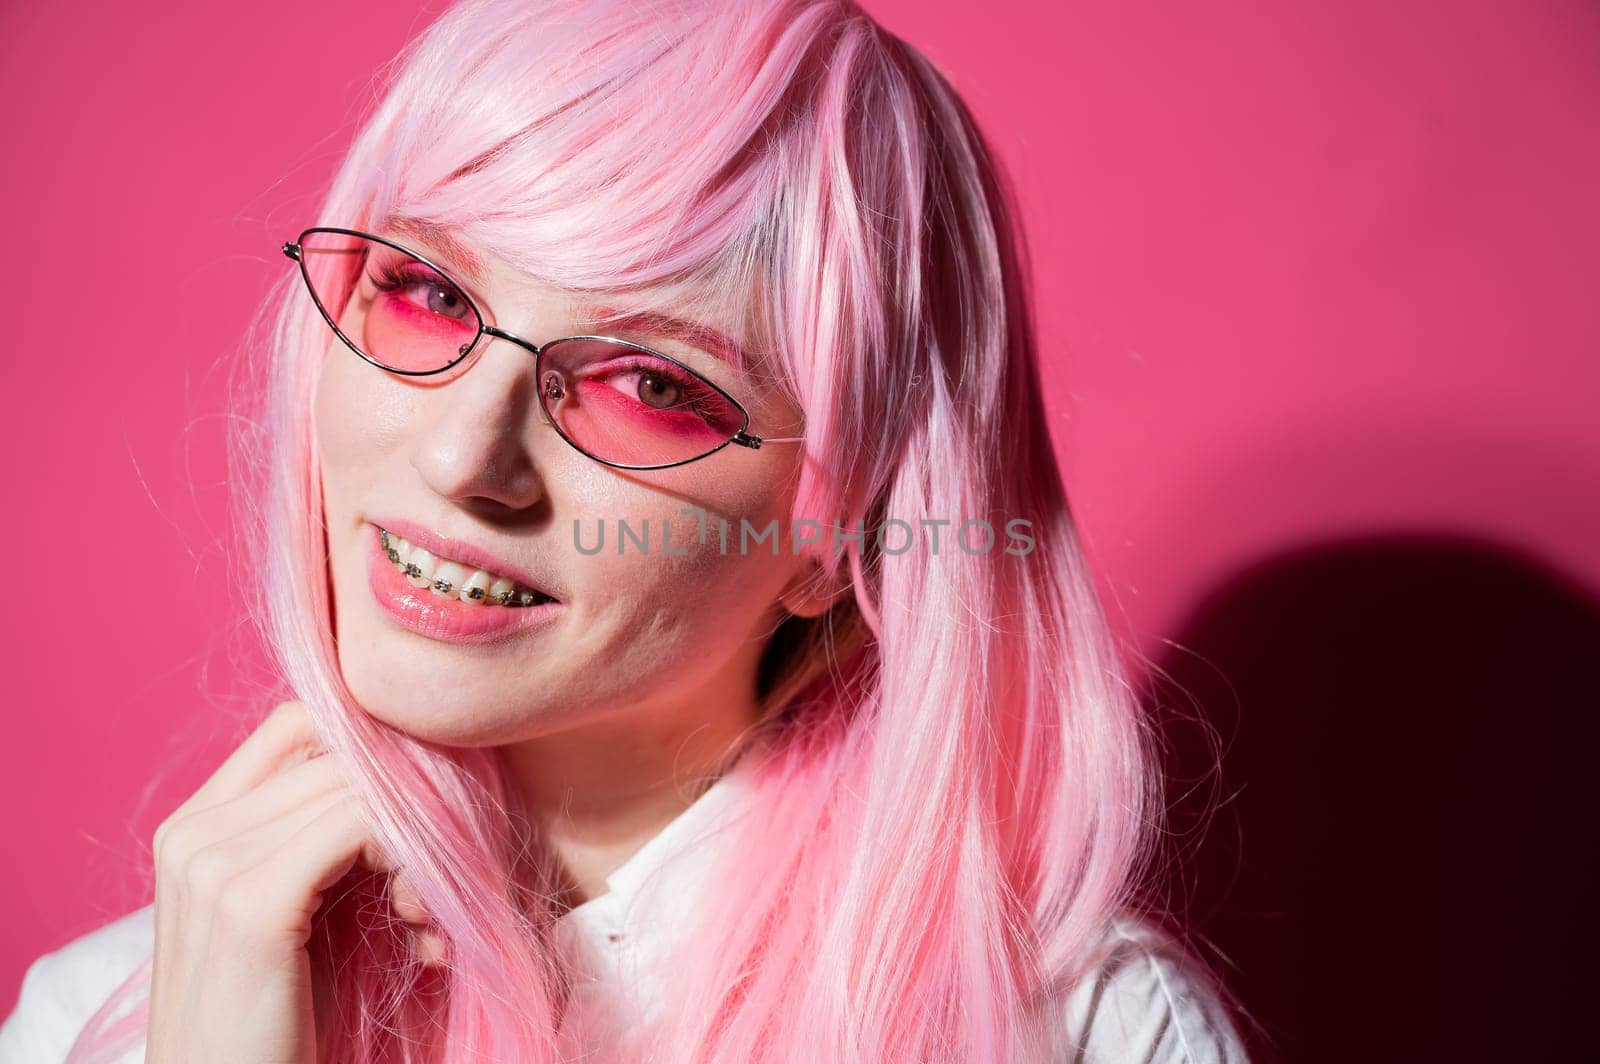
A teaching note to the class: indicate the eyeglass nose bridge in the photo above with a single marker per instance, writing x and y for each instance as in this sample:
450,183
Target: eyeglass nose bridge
551,385
528,345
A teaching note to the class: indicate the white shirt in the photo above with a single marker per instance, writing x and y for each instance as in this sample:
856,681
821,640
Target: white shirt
1143,1006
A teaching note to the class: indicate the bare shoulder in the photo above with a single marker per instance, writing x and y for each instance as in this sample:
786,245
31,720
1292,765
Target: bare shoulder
62,989
1148,1002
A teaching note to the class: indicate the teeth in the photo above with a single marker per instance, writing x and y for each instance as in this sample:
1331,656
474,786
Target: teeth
449,579
475,589
419,567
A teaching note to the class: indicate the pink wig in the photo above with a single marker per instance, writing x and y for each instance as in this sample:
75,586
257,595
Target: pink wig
955,789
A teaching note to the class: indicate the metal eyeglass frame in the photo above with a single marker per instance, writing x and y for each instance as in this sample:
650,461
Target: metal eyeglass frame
740,436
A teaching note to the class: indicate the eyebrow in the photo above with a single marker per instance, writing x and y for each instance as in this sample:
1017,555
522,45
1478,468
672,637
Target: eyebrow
437,236
698,335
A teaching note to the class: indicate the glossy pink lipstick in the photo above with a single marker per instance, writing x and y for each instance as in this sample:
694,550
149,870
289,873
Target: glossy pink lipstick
424,611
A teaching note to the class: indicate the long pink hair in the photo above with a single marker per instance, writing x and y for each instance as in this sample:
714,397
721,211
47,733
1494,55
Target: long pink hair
955,788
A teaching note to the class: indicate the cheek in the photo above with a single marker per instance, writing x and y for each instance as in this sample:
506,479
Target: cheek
738,538
335,409
670,620
691,580
357,419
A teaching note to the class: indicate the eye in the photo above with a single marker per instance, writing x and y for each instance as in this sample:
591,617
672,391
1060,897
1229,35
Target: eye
420,286
657,391
617,392
654,386
657,385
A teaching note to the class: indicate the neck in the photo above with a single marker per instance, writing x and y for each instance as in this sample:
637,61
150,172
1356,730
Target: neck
602,790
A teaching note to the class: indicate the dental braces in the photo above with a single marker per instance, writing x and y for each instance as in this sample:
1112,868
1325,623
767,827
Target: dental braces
512,598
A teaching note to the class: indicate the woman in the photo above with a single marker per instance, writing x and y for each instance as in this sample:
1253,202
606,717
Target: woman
692,655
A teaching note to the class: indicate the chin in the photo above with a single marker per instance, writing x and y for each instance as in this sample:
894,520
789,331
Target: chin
453,719
427,724
424,711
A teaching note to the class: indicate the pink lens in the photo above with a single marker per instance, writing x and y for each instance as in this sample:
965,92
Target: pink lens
396,309
631,407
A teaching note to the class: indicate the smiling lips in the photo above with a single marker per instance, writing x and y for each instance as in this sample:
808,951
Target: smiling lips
451,579
469,556
431,603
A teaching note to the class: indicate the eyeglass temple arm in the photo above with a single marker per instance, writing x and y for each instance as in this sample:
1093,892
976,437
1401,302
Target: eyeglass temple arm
744,439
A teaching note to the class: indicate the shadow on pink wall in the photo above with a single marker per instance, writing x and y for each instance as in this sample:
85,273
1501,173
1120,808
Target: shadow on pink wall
1408,868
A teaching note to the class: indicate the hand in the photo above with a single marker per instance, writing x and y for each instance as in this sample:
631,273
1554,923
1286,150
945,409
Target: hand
241,867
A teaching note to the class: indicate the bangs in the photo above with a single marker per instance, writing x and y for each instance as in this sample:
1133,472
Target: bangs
591,163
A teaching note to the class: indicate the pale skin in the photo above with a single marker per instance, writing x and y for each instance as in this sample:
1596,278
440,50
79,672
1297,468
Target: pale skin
609,718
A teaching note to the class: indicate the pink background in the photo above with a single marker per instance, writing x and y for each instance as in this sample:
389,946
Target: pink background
1309,271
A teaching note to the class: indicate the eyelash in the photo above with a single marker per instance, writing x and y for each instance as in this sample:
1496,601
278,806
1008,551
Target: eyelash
392,278
695,389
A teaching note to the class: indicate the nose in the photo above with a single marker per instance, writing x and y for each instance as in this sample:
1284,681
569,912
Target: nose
478,438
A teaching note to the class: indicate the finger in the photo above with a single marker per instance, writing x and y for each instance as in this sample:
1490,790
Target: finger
406,901
286,732
280,794
240,854
429,946
291,861
220,837
289,883
427,940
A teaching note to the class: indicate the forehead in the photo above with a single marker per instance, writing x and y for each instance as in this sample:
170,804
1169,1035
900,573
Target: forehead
674,315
